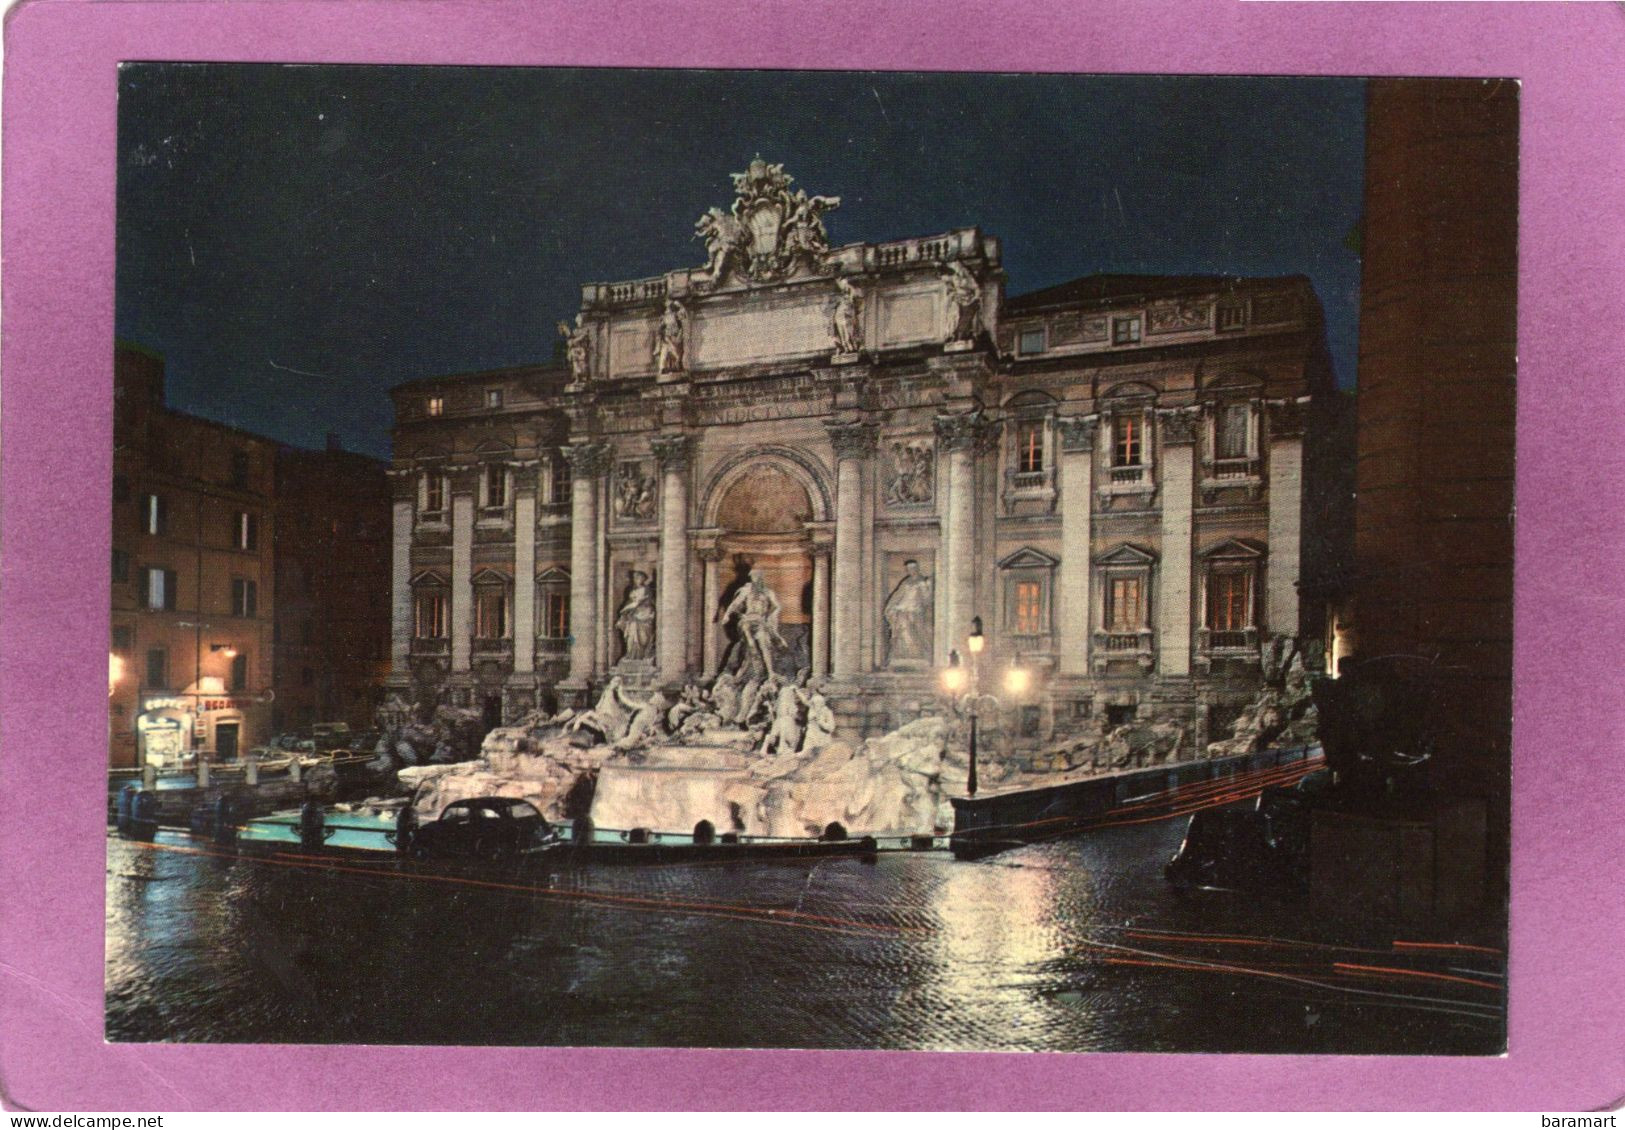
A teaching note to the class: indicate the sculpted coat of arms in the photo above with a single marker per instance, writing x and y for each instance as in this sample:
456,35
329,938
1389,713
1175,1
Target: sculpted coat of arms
770,231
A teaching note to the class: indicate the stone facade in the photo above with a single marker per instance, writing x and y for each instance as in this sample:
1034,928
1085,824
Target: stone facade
1107,474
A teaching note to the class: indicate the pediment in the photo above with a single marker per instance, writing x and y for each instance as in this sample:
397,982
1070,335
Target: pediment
429,577
1235,549
1127,554
1029,558
491,577
554,575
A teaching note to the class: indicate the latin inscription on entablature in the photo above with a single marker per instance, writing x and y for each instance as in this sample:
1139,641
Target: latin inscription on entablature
910,392
767,399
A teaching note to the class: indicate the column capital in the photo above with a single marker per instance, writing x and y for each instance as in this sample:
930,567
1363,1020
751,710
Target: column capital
963,431
852,439
526,473
403,483
587,460
1287,417
1179,425
672,451
1077,432
465,477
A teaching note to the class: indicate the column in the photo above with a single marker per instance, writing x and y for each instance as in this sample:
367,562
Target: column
587,463
959,436
1178,428
671,629
464,481
403,488
820,610
1285,517
854,442
524,570
1077,475
711,631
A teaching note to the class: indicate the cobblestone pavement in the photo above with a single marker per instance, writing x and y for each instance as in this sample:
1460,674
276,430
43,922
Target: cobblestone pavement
1074,945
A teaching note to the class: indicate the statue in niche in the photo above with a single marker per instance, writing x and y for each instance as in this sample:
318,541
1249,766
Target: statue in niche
757,607
670,338
636,618
908,615
847,321
964,303
577,348
634,494
913,472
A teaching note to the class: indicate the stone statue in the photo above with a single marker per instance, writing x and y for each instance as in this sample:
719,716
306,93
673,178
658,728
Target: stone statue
803,235
784,733
610,718
964,303
726,242
725,696
820,722
913,474
636,618
757,607
670,338
846,324
634,494
647,722
577,347
908,615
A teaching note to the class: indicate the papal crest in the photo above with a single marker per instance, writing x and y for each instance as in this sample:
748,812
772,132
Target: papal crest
770,232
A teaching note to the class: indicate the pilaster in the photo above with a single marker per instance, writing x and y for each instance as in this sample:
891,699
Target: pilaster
854,444
671,633
1077,444
1178,427
1285,500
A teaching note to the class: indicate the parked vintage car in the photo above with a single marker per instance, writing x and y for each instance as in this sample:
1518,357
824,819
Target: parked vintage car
489,828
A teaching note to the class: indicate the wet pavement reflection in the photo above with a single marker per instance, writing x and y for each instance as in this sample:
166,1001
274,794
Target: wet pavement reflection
1074,945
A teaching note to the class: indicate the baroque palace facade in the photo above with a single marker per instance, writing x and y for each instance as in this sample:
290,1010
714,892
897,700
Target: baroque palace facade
1108,476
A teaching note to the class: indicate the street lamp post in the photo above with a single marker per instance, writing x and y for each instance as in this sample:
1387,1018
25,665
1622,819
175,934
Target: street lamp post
954,679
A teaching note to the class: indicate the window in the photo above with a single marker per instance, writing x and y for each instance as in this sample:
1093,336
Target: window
154,514
121,567
1229,601
244,597
1125,331
1029,446
1230,431
239,672
157,667
158,589
123,639
1232,317
429,608
1030,342
495,486
1128,446
559,486
239,470
121,488
493,398
555,614
435,406
1125,605
1029,608
245,531
490,613
434,494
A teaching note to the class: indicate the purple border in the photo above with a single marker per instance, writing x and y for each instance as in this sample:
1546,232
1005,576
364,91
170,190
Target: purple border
1568,917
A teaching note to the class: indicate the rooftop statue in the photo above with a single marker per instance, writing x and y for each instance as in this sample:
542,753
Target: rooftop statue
769,231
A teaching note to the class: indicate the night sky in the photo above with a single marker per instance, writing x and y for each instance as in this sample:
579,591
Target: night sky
295,240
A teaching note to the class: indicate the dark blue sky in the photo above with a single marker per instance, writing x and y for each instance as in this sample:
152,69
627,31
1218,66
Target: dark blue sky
295,240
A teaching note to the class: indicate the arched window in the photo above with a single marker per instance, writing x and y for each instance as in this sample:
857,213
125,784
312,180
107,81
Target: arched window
1029,440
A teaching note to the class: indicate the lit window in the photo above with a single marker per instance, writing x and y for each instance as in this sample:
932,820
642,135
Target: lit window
158,589
490,613
1030,446
154,514
555,614
1125,331
246,532
1030,342
244,597
430,614
1128,447
435,405
1029,609
1229,601
493,398
1125,606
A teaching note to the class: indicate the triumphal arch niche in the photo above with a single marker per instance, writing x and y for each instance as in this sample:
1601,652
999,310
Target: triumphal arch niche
838,459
